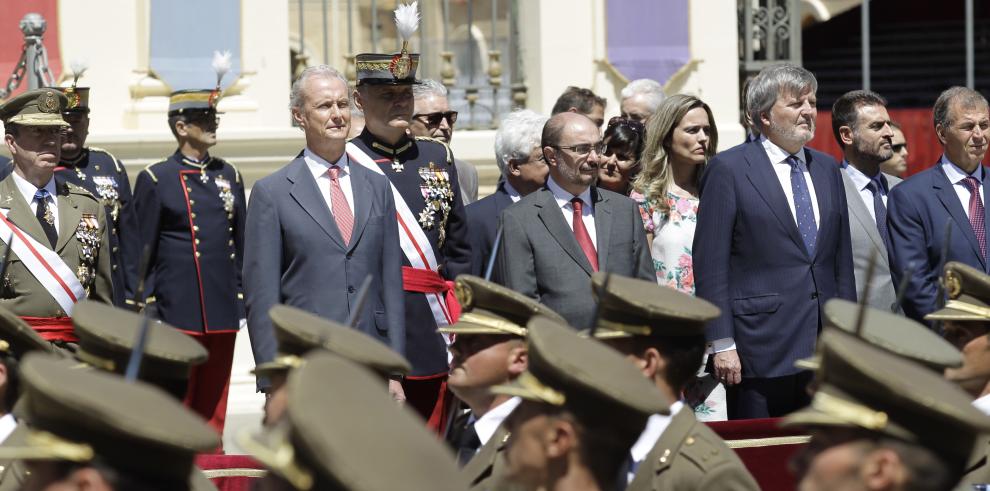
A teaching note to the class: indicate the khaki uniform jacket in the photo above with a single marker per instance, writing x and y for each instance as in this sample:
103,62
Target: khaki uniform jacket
20,291
487,468
14,472
690,456
977,470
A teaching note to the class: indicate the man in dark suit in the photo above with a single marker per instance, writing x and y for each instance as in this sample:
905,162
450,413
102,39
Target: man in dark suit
520,160
865,133
771,247
320,225
953,191
555,238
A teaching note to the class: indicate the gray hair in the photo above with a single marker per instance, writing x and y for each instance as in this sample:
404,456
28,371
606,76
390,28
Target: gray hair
295,93
427,87
965,97
517,136
649,88
771,83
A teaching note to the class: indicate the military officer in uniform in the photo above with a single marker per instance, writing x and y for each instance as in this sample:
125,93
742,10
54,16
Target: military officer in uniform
60,250
432,221
489,349
583,407
190,210
662,331
338,435
100,173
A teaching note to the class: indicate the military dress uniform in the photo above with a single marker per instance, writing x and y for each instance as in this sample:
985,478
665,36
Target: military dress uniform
100,173
191,216
422,171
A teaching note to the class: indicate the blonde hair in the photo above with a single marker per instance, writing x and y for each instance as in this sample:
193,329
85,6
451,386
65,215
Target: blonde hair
656,176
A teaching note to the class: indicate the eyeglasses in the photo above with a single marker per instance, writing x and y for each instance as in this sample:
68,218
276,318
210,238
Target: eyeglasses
433,119
634,125
584,148
897,148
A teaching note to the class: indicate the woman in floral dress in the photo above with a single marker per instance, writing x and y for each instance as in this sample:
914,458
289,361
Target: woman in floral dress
680,138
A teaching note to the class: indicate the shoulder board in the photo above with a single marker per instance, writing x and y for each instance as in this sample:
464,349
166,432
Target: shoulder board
116,162
702,452
151,174
237,173
79,190
450,155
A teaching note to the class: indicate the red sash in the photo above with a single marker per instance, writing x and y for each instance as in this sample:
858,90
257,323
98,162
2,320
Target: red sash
53,328
427,281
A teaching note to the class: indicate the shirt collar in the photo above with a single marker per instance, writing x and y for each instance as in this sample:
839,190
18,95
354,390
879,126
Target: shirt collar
982,404
779,155
319,166
489,422
956,174
27,189
861,181
7,426
563,197
655,427
510,190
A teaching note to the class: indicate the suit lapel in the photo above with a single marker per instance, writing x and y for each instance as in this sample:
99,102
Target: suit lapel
553,220
603,226
481,465
950,200
821,180
305,192
68,219
857,209
20,211
764,180
363,195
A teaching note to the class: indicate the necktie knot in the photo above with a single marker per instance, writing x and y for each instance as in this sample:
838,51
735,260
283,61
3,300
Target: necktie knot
577,204
971,183
41,195
876,186
796,164
334,172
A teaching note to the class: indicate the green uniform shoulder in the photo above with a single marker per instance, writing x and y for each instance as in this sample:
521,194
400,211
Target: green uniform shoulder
116,162
77,190
446,148
705,449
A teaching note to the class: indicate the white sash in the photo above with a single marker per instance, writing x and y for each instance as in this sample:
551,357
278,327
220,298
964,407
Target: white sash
412,239
45,264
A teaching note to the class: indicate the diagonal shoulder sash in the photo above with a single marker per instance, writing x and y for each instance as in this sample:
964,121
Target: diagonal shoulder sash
415,246
45,264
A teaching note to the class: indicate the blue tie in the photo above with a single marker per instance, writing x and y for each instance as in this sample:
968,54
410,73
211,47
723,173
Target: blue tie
878,187
803,211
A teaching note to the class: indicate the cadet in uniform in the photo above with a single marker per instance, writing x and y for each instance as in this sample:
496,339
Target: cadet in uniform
299,332
489,349
190,210
16,339
337,435
100,173
880,419
61,252
583,407
432,222
662,331
77,439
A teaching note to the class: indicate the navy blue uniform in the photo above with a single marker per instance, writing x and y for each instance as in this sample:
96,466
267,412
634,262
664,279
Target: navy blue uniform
427,170
192,215
100,173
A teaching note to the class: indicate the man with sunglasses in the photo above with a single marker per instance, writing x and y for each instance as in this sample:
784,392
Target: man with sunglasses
100,173
897,164
433,118
557,237
190,210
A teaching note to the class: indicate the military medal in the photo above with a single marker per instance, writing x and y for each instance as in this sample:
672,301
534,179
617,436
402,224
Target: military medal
106,190
49,217
397,166
88,235
226,195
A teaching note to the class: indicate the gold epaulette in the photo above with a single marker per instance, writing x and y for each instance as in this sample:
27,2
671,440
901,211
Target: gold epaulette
116,163
450,155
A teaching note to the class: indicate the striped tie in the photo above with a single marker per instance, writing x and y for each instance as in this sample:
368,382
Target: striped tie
338,205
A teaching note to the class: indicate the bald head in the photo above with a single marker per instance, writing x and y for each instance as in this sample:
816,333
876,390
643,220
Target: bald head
570,146
554,130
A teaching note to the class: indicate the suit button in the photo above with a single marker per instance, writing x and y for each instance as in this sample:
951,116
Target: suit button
197,254
113,268
348,256
197,241
350,289
192,202
232,256
230,242
814,295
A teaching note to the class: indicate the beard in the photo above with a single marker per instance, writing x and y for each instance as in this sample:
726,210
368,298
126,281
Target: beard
792,133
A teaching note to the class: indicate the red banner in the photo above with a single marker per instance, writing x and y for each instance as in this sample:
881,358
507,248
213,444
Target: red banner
12,39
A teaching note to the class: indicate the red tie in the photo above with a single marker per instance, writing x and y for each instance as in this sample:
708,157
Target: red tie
581,234
338,204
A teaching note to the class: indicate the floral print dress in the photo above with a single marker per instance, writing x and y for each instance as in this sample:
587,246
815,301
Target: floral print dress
673,236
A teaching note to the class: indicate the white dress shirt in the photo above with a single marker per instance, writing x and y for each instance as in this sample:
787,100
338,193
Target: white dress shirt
488,423
511,191
655,427
27,190
956,176
7,426
778,158
983,404
861,182
320,169
587,209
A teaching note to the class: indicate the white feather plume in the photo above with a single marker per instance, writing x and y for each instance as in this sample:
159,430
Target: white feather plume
78,67
407,20
221,64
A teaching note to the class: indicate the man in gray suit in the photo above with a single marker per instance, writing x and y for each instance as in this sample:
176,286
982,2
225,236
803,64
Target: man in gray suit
555,238
863,129
318,226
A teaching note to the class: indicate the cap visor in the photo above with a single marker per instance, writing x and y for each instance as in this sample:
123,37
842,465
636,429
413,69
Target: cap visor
40,445
809,417
604,333
953,315
470,328
270,367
